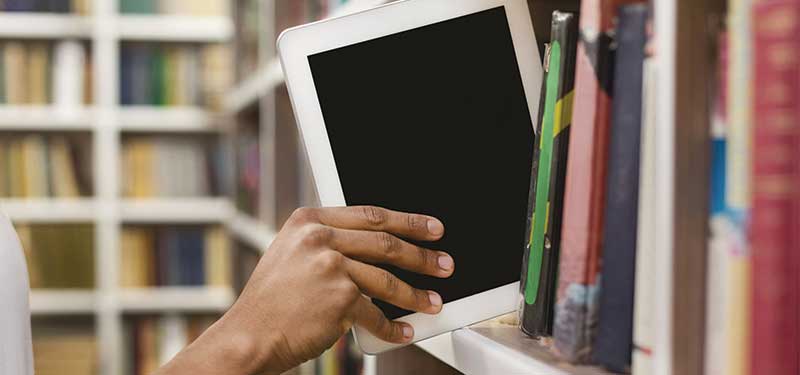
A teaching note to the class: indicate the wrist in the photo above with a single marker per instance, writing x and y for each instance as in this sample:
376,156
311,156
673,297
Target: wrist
244,347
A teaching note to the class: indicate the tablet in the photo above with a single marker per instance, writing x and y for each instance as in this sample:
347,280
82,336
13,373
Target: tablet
426,106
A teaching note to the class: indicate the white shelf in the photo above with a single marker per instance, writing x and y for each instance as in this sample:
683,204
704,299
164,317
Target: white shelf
167,119
182,299
49,210
43,118
251,231
44,25
499,349
62,302
251,89
175,28
176,210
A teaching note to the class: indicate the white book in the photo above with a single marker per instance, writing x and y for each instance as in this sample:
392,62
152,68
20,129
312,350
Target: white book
68,77
172,336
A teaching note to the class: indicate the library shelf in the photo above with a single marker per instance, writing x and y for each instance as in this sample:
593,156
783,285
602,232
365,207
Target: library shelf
492,348
254,87
174,28
167,119
44,118
176,299
176,210
251,231
49,210
30,25
62,302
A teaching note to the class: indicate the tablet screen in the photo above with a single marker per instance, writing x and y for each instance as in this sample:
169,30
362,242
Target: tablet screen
434,120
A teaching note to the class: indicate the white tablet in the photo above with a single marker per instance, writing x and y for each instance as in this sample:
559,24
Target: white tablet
427,106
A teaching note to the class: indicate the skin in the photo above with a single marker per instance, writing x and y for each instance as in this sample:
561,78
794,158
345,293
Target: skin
322,255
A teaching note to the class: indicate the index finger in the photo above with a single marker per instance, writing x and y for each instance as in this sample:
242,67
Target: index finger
412,226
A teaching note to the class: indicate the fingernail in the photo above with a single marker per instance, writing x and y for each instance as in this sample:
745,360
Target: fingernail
435,298
445,262
408,332
435,227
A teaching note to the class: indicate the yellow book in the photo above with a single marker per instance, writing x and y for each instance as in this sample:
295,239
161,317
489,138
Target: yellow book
38,64
218,258
64,183
136,258
26,240
142,184
16,169
16,73
34,167
4,170
216,74
81,7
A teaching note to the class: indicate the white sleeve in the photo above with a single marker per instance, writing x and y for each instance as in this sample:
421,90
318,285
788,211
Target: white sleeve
16,352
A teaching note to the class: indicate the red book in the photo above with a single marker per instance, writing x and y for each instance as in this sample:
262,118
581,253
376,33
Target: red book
775,228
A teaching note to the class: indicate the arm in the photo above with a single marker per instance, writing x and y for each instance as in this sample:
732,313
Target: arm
309,289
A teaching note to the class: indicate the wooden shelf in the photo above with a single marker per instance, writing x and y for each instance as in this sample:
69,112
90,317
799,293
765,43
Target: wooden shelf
62,302
47,210
167,119
174,28
44,25
176,299
44,118
492,348
251,232
176,210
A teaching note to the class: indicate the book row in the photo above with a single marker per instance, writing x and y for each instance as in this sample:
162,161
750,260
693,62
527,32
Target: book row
64,346
49,6
175,256
39,73
35,166
171,167
174,74
151,341
189,8
59,256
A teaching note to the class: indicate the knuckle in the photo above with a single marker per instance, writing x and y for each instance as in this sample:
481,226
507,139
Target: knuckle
389,245
416,223
315,235
424,257
375,216
351,292
303,215
329,261
390,282
421,298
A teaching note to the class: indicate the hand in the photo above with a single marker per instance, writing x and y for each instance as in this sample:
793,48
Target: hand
309,288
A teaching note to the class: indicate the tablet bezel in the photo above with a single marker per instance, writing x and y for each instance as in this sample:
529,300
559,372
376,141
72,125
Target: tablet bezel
295,45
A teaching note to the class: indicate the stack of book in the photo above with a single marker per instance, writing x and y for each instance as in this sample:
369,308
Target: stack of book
59,256
36,166
175,256
51,6
174,74
60,349
190,8
171,167
40,73
150,342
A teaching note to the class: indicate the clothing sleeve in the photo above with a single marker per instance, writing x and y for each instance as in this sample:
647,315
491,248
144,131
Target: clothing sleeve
16,352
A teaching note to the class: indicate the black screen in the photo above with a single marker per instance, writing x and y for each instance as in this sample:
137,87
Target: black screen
435,121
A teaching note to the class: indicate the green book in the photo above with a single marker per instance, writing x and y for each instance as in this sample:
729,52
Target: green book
137,6
158,72
540,277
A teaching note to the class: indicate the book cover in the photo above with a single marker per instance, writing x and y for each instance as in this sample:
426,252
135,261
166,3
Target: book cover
16,72
158,77
191,256
137,6
2,75
553,142
63,176
584,192
775,334
217,256
613,344
19,5
38,73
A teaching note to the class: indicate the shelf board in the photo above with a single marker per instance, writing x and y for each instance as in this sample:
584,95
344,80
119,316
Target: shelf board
180,299
175,28
48,210
44,25
175,210
248,92
251,231
167,119
44,118
499,349
62,302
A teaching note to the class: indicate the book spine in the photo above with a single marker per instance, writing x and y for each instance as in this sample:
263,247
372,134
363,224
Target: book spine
553,141
775,340
68,73
613,345
578,287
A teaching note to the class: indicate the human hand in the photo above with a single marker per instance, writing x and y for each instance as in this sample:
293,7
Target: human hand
309,288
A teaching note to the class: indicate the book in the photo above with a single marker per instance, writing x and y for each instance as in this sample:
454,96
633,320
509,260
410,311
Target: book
137,6
775,334
64,181
16,72
69,60
38,73
613,344
59,256
553,142
218,266
584,191
64,348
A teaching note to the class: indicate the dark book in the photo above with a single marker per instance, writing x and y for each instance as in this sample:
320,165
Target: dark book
613,345
137,6
775,213
58,6
141,84
19,5
553,143
126,79
158,79
191,256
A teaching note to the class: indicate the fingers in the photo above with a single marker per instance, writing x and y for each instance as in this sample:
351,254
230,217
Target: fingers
381,284
413,226
384,248
372,319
